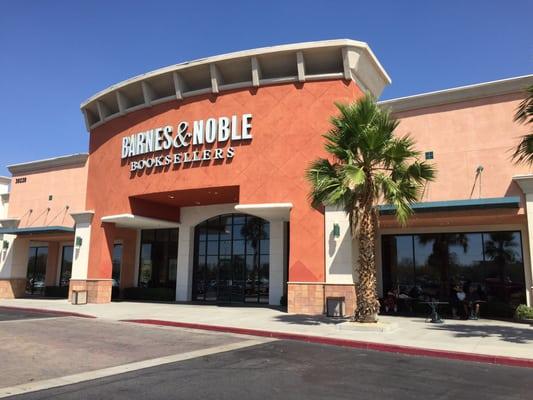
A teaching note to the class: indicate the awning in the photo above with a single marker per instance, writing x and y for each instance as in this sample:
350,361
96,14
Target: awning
36,230
136,221
457,205
271,211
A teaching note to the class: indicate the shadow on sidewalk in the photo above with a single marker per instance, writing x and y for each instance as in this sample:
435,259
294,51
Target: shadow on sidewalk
506,333
298,319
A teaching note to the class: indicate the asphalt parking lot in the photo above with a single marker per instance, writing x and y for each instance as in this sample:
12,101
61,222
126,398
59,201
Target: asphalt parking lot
37,346
41,348
297,370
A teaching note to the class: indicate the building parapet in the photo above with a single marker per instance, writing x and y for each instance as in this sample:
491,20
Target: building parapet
459,94
294,63
49,163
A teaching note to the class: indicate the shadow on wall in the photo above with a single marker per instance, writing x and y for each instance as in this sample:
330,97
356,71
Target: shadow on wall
343,252
505,333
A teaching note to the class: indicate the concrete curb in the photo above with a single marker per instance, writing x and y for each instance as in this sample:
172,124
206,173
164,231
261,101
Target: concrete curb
358,344
51,312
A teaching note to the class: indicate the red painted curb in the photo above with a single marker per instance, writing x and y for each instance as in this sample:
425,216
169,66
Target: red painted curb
390,348
41,311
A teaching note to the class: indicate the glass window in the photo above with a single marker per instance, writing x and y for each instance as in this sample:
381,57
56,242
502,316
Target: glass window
487,265
398,255
158,259
117,264
36,272
237,261
503,262
66,265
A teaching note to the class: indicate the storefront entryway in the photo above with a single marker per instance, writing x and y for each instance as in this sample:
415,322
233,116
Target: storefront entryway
36,273
231,259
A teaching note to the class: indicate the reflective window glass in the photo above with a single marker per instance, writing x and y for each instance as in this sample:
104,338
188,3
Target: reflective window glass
235,259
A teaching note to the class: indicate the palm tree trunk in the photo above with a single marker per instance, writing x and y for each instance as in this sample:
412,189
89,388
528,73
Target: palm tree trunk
366,285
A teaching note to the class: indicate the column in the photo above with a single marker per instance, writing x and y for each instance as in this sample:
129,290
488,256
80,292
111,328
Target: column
82,241
277,262
528,256
185,261
13,266
526,184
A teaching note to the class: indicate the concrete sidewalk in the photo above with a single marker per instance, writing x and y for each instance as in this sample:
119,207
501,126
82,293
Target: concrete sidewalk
485,337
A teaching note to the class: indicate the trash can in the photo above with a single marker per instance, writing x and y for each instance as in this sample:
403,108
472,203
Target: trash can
335,307
79,297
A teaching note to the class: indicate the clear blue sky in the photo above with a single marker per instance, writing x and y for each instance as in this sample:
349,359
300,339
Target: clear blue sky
55,54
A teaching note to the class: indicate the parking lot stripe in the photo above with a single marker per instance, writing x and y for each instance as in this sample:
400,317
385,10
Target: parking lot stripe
30,319
121,369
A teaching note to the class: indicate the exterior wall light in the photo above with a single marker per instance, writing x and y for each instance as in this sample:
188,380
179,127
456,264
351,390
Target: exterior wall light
79,241
336,230
5,245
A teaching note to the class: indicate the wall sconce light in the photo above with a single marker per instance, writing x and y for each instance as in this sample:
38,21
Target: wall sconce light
336,230
79,241
5,244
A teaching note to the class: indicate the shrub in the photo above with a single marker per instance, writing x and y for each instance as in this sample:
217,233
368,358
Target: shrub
524,312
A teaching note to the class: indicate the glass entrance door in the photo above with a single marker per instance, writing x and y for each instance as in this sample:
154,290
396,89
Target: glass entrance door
231,259
36,271
66,265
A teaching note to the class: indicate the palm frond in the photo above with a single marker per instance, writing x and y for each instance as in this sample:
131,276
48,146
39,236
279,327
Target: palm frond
524,151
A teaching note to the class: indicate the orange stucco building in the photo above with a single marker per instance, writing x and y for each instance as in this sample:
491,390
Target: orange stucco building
194,188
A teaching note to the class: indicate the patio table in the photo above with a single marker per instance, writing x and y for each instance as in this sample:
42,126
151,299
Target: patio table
434,316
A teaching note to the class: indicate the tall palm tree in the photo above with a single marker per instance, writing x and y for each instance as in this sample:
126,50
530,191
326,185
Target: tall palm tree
368,165
524,115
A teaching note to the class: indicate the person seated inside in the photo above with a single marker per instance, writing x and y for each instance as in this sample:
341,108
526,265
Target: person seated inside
468,301
458,303
391,301
478,296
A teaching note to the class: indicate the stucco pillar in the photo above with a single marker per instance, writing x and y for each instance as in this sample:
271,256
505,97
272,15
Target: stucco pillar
13,266
185,261
526,184
98,289
82,242
528,263
277,261
339,247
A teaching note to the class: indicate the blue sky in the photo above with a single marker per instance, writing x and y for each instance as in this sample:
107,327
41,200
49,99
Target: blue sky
55,54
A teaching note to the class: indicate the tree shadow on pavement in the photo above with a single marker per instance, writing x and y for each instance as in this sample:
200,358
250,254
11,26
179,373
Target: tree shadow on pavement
506,333
299,319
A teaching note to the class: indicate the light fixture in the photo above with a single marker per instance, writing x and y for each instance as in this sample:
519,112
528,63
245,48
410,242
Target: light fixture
171,196
79,241
5,244
336,230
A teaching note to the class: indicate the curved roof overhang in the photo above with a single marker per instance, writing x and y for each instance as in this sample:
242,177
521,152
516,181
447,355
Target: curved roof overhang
293,63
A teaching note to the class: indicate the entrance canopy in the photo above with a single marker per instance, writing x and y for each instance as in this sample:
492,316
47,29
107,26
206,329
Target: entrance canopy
136,221
269,211
37,230
10,226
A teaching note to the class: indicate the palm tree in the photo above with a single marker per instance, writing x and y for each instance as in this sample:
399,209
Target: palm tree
368,165
524,115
